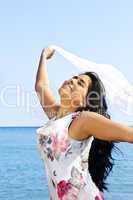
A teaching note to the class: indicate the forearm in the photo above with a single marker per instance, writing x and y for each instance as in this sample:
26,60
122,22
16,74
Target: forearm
42,74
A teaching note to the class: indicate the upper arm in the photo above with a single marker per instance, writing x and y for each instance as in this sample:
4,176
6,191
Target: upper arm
102,128
47,100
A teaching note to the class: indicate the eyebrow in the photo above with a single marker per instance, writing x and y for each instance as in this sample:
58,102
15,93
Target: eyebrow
76,77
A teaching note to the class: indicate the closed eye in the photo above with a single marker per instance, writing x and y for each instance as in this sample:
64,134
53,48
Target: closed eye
81,81
80,84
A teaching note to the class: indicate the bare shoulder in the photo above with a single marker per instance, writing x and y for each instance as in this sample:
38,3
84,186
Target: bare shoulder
94,124
86,124
84,116
90,120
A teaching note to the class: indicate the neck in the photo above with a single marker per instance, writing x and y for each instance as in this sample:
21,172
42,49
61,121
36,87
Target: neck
64,111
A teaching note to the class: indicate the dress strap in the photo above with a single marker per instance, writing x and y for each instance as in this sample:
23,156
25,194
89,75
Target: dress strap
74,116
70,120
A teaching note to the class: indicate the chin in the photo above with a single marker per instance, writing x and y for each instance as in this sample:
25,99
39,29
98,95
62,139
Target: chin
64,93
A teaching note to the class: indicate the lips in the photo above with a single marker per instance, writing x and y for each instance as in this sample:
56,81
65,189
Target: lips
67,86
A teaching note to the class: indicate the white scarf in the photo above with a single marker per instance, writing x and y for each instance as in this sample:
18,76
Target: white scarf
119,92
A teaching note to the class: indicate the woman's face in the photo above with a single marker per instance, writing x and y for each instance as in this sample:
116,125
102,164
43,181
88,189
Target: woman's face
74,90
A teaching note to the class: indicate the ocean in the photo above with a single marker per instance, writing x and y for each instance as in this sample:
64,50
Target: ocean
22,174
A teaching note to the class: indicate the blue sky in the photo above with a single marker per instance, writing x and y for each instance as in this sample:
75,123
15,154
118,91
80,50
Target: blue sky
98,30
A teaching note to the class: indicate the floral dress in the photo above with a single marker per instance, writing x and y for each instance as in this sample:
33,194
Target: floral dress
66,161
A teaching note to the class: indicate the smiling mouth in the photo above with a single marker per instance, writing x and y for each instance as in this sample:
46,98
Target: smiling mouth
67,86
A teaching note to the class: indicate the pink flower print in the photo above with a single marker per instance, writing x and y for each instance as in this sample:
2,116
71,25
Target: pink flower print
66,191
102,196
63,143
54,143
62,188
74,115
99,198
72,194
59,145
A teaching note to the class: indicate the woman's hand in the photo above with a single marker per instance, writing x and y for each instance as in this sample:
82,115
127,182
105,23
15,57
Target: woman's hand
48,52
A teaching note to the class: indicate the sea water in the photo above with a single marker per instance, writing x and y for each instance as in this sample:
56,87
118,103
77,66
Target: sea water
22,174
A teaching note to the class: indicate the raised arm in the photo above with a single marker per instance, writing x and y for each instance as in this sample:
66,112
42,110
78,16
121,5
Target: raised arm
42,86
100,127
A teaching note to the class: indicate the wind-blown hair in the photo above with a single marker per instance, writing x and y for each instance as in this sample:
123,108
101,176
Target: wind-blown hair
100,160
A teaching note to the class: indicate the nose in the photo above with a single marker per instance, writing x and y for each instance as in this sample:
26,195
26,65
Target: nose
68,82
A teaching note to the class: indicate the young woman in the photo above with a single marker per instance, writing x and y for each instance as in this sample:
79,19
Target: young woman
77,141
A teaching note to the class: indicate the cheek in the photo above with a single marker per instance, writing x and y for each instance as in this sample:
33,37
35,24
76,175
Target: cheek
80,92
77,90
77,96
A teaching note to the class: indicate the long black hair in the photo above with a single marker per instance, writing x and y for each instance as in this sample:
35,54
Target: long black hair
100,160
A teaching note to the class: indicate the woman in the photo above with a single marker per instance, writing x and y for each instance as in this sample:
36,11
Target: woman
77,141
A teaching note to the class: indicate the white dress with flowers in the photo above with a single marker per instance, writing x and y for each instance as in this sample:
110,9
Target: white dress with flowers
66,161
